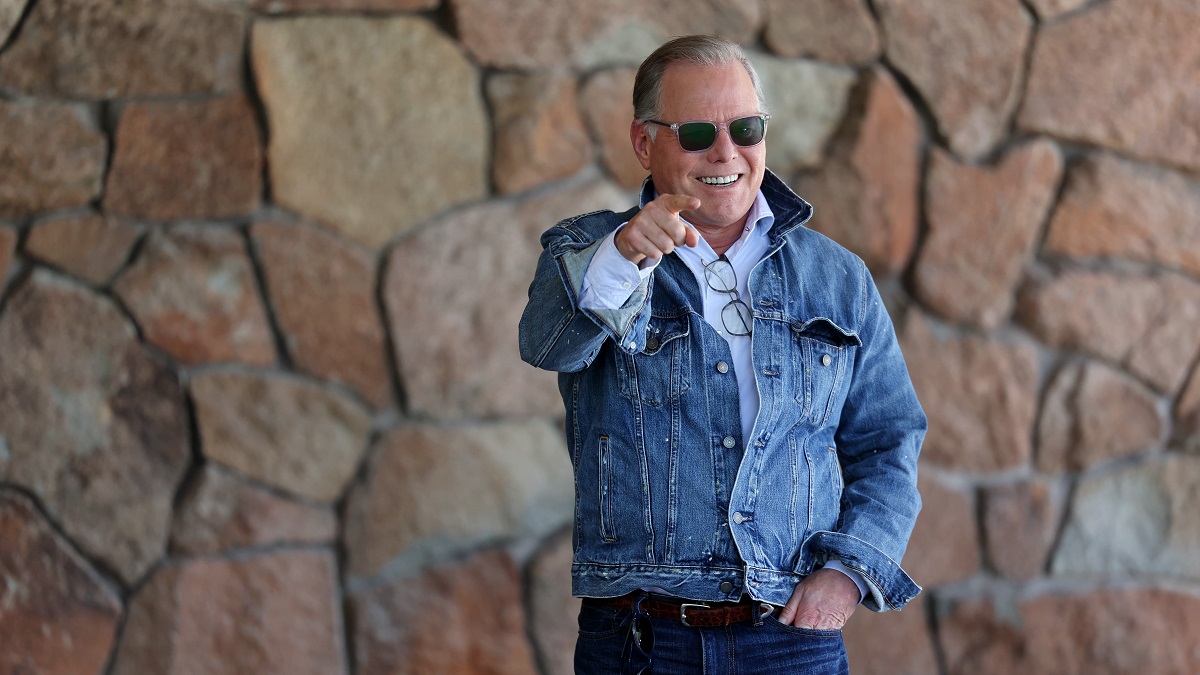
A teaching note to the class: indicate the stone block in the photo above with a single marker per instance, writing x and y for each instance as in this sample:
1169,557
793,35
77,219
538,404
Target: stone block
51,157
1004,206
1140,99
833,31
94,425
454,293
607,101
1187,414
57,614
410,509
539,131
479,627
186,160
10,14
944,546
1052,9
347,144
90,246
980,395
279,429
322,291
1020,523
898,643
1136,521
272,614
1093,414
194,295
553,611
295,6
1114,208
865,196
219,512
96,49
1149,324
807,101
966,58
9,236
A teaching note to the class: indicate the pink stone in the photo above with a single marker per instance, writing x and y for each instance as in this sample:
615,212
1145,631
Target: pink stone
51,157
944,546
322,291
90,246
959,276
834,31
194,294
1020,523
186,160
866,195
553,611
293,6
607,99
539,134
8,244
1187,413
897,643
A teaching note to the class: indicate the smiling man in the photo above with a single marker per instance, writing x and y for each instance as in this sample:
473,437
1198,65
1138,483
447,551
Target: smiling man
741,422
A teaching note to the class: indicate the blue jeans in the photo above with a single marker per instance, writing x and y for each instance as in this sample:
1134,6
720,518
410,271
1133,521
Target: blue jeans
738,649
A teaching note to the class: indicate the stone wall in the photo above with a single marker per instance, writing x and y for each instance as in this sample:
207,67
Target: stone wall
261,265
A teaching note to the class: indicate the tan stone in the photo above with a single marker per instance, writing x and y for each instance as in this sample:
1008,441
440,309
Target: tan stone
1051,9
89,246
1187,414
898,643
465,363
57,614
866,195
282,430
553,611
51,157
1094,414
1106,632
1142,99
980,396
540,35
347,144
944,546
193,292
219,512
410,507
290,6
607,99
8,245
97,49
94,426
274,614
10,13
479,627
966,58
807,100
983,226
539,131
322,291
1137,521
834,31
1020,522
186,160
1148,324
1113,208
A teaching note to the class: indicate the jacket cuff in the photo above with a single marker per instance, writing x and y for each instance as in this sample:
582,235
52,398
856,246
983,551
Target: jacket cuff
624,324
889,586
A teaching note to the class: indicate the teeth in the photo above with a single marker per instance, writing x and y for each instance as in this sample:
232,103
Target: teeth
718,180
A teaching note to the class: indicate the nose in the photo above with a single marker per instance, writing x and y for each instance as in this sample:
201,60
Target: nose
723,149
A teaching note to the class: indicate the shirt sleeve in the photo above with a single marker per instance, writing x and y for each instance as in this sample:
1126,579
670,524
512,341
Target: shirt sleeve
611,278
835,564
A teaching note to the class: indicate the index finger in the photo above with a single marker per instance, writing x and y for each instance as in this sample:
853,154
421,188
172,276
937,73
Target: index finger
677,203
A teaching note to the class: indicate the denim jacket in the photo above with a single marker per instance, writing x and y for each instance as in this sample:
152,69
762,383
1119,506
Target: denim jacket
666,493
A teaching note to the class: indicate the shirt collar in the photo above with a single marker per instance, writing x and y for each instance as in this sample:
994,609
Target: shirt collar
759,219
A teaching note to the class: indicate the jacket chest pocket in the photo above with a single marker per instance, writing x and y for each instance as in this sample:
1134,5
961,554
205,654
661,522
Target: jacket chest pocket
658,373
821,356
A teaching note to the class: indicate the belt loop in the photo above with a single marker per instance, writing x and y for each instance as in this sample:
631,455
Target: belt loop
756,613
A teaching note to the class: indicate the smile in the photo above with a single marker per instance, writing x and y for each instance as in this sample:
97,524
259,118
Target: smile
719,180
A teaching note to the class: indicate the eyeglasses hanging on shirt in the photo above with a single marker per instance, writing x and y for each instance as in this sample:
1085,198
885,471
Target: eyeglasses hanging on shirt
736,316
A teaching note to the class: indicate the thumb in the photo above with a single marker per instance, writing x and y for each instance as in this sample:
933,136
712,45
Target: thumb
789,611
677,203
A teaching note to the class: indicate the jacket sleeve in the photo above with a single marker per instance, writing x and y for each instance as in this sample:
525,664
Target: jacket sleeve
879,438
555,333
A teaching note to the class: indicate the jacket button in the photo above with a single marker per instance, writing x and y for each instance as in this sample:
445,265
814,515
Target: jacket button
738,518
729,442
652,344
826,360
726,586
722,367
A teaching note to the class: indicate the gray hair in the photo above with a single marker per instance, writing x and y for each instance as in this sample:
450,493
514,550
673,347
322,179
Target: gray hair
700,50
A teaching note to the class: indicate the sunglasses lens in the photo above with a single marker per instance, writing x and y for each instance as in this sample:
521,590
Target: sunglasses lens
695,136
643,634
747,130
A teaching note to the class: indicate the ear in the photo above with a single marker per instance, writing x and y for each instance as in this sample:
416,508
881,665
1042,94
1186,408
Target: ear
640,138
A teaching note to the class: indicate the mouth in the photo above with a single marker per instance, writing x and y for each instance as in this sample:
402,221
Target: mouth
720,181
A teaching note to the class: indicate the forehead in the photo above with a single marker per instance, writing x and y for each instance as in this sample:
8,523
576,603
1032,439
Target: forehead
720,92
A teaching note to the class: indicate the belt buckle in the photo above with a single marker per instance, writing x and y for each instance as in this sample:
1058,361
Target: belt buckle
683,611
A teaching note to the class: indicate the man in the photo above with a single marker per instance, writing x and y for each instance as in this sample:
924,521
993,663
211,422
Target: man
741,422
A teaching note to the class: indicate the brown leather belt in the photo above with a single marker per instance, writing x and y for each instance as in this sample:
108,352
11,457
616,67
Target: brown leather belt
694,614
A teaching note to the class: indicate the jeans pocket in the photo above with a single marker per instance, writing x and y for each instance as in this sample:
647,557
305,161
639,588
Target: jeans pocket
600,623
775,624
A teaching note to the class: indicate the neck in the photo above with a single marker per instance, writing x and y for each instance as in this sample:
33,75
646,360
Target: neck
722,238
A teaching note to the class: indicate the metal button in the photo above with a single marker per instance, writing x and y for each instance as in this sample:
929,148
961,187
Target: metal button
726,586
722,367
729,442
653,343
738,518
826,360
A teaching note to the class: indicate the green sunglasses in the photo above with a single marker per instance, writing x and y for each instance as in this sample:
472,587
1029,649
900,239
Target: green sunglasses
699,135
